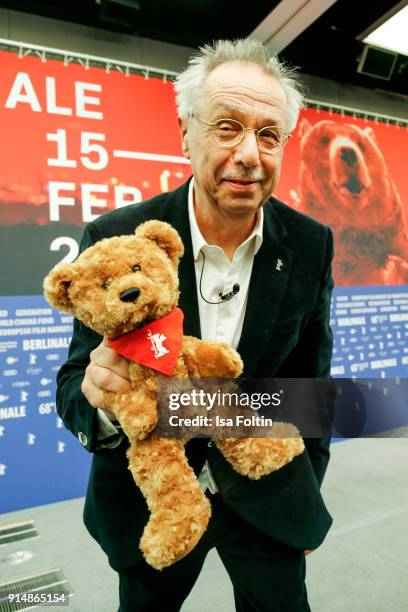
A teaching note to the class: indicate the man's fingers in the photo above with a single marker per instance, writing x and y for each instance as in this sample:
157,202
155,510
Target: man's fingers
96,398
106,357
106,379
107,371
94,395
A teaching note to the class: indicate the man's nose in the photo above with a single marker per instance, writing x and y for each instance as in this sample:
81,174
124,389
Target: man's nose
247,152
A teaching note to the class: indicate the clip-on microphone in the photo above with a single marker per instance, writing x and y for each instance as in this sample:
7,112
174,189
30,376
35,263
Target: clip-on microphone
230,295
224,298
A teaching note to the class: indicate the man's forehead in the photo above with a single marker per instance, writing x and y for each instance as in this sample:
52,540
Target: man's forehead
239,89
237,73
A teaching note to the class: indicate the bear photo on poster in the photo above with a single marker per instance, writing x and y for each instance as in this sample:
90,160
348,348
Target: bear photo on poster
345,183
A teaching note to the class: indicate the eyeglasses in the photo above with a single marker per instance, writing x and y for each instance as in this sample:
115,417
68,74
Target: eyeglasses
230,133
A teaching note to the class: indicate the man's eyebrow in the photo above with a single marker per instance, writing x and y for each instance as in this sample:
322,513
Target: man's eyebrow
224,111
227,111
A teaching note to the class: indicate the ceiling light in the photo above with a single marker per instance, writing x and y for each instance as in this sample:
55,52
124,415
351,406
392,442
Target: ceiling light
391,34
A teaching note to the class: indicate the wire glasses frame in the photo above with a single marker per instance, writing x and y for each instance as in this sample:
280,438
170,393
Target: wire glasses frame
230,133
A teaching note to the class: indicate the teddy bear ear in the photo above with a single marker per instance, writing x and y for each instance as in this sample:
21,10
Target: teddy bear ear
165,236
56,285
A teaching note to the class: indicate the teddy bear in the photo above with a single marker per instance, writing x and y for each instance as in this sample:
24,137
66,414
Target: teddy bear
125,288
345,183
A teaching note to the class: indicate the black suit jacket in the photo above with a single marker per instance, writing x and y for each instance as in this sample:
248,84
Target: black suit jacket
285,334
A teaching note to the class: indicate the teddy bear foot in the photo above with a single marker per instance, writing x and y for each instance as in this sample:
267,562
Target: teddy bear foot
257,457
137,414
171,534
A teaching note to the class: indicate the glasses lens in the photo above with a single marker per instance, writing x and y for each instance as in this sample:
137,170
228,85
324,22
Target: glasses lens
271,139
227,132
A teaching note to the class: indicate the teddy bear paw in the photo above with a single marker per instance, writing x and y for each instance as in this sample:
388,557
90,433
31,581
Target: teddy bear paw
257,457
171,534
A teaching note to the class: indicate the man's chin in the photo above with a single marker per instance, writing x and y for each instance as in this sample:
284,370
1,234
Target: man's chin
240,206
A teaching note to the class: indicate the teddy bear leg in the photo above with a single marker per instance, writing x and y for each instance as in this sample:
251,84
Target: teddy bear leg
179,509
257,457
135,411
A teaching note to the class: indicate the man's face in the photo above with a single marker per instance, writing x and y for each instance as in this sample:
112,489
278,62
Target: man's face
236,180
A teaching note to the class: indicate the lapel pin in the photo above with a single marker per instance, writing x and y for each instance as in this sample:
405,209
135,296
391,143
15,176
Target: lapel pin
279,265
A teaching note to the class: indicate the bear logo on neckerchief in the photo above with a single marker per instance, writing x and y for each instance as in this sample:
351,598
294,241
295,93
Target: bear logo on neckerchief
157,344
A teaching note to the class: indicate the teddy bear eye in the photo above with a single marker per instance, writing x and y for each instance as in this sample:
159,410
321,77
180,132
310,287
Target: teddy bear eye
136,268
105,285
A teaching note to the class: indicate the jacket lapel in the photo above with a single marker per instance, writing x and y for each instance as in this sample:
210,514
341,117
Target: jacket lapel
269,281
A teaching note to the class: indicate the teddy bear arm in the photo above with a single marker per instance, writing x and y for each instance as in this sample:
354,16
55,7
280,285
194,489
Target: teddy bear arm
215,359
142,377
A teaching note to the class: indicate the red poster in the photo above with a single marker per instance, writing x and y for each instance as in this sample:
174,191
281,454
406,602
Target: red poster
77,142
351,174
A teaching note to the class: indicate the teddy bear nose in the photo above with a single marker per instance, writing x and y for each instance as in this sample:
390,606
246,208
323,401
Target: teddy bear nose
129,295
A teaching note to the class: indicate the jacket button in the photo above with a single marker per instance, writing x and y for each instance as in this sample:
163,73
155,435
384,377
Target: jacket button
83,438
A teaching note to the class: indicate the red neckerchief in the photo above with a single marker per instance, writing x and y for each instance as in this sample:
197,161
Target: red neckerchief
156,345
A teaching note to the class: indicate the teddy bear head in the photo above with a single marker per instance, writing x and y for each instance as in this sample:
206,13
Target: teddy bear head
120,283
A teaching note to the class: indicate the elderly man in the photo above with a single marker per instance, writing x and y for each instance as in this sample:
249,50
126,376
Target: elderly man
255,274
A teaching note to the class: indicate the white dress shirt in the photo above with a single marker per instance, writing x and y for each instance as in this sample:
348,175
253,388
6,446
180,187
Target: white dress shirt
219,322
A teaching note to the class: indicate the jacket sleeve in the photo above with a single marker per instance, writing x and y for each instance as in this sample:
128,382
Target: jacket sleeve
311,358
78,415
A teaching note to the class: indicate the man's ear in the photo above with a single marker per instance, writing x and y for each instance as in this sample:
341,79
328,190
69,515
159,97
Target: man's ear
165,236
56,285
184,137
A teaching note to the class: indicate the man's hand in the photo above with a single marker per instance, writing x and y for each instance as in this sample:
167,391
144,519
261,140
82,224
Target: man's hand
107,371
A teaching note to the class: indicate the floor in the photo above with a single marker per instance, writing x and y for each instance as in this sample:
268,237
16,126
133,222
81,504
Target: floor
361,567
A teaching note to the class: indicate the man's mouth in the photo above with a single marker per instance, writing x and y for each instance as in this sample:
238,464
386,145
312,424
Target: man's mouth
241,181
238,183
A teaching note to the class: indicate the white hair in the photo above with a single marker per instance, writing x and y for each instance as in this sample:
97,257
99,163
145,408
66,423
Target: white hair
189,83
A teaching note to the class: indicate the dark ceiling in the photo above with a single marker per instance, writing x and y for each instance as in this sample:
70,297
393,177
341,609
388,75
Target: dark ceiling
327,48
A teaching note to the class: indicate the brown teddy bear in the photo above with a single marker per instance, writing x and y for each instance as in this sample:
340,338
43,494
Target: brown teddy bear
127,287
345,183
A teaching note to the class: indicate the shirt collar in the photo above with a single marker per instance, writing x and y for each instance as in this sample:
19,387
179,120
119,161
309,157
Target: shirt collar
197,238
